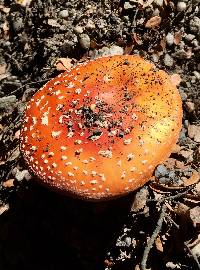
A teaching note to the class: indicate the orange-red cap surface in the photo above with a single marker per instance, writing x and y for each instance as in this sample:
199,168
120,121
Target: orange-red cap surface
100,130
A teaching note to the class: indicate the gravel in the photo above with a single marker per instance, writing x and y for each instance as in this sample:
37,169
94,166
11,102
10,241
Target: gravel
64,13
181,6
84,41
168,60
170,39
195,25
7,102
161,171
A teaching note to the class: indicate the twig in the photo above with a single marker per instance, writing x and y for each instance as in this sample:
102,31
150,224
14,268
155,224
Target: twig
172,197
153,238
13,92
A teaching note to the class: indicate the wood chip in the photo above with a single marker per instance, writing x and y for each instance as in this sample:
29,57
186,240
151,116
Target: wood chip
193,179
153,22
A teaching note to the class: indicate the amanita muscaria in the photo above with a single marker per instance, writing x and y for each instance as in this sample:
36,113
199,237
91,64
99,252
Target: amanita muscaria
99,131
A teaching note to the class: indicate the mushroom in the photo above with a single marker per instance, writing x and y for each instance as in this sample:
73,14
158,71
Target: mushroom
98,131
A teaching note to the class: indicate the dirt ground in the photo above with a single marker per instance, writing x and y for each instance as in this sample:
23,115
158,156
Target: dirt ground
156,227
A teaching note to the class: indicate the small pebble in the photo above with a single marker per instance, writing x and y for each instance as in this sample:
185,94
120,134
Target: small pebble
189,37
90,25
6,102
168,60
78,29
21,175
170,39
64,13
183,95
84,41
197,74
195,25
181,6
113,50
127,6
18,24
161,171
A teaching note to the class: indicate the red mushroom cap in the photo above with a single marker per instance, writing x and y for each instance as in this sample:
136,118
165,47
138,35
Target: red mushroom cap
100,130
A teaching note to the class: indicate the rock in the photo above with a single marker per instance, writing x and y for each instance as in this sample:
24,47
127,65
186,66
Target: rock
194,132
53,23
189,37
78,29
127,6
196,249
90,25
21,175
7,102
63,13
161,171
168,60
182,54
18,24
195,25
183,95
197,74
181,6
113,50
84,41
170,39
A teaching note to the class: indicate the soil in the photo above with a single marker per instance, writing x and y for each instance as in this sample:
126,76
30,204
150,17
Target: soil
156,227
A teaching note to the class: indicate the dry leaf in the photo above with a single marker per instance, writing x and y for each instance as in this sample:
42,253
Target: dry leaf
177,38
193,179
128,49
159,244
63,64
9,183
153,22
176,79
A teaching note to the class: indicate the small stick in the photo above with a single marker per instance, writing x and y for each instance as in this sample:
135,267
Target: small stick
153,238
